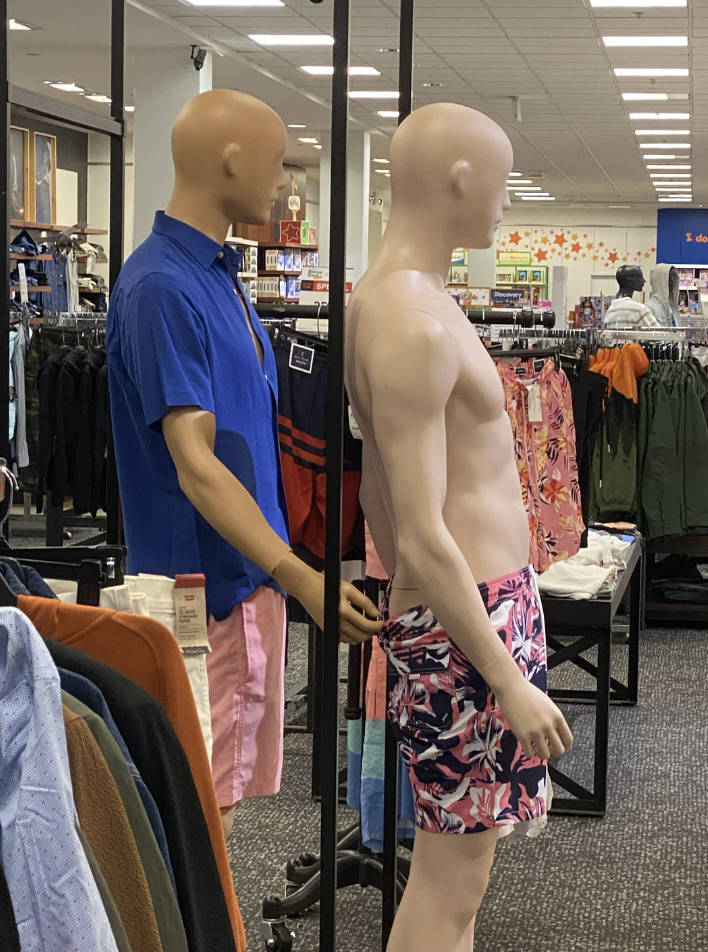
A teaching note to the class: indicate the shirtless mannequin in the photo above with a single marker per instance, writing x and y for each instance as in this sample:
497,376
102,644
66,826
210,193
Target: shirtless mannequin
193,377
441,495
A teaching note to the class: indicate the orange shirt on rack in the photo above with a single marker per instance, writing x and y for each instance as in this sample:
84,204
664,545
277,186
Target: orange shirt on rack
147,652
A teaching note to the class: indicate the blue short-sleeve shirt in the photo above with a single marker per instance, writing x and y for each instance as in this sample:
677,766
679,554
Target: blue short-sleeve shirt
177,335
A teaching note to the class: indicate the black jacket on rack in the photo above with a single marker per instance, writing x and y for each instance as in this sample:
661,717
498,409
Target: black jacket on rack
9,936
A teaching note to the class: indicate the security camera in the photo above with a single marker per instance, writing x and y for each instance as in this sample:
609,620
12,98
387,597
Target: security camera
198,57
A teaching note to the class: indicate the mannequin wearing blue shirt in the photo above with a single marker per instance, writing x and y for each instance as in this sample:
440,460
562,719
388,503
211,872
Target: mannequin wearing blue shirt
194,407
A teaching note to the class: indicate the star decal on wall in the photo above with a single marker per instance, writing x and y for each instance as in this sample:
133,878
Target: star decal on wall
574,237
576,248
527,234
514,238
560,240
647,255
653,250
567,256
602,244
625,259
545,239
584,255
584,236
589,245
613,257
541,255
595,257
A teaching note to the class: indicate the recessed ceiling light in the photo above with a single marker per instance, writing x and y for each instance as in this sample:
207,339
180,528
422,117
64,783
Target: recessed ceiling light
638,4
664,145
649,72
389,49
645,40
662,132
654,97
663,116
619,206
432,85
97,97
296,125
670,175
308,140
316,146
237,3
374,94
291,39
329,70
537,198
21,25
130,108
673,167
65,87
388,113
381,161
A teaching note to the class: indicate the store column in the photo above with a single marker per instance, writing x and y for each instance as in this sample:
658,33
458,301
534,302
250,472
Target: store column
164,81
358,187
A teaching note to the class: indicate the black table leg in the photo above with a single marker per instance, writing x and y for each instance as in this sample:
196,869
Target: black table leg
602,719
636,625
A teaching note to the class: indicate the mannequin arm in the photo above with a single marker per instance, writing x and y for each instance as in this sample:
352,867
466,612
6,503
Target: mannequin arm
410,388
230,509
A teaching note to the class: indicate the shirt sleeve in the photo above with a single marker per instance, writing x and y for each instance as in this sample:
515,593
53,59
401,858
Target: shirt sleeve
165,351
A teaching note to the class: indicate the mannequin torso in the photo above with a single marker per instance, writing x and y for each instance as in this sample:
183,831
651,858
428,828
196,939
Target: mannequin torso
483,507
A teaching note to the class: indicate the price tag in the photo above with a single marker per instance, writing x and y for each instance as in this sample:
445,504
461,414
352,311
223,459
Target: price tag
191,614
496,332
535,408
354,426
301,358
24,297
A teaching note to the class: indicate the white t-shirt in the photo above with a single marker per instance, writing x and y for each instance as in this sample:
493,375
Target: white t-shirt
627,314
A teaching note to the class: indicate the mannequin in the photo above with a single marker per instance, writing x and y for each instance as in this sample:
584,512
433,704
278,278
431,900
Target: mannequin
664,302
625,313
194,401
441,495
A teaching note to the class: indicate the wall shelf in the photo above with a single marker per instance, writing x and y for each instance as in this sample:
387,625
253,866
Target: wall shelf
16,256
45,226
31,288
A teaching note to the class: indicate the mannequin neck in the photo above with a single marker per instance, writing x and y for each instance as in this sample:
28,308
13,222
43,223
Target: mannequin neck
626,293
412,244
198,210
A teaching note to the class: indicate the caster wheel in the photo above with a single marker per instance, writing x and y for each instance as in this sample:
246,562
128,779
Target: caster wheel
282,940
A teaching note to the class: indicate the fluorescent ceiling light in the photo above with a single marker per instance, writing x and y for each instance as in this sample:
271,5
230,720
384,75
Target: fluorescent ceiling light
97,97
647,158
637,4
645,40
291,39
237,3
649,72
308,140
670,175
677,198
672,187
537,198
662,132
20,25
521,181
316,146
652,97
532,188
664,145
515,174
675,167
65,87
619,206
388,113
297,125
374,94
382,171
329,70
663,116
130,108
381,161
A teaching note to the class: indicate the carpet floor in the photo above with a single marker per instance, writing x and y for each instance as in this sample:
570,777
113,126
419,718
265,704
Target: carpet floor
636,881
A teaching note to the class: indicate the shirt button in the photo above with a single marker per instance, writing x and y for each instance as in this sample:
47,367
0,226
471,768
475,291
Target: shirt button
220,255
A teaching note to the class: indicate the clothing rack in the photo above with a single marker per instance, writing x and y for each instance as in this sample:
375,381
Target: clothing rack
519,317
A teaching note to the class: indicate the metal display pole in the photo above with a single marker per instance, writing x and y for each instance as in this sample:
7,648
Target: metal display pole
390,853
335,448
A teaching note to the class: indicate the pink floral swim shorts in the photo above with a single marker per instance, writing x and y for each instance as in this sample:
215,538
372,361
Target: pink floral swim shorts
468,771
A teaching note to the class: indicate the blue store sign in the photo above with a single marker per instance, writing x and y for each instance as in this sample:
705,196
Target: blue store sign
682,236
510,298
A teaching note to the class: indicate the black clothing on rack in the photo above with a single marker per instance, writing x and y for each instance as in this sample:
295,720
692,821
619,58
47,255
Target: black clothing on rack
9,936
588,392
164,767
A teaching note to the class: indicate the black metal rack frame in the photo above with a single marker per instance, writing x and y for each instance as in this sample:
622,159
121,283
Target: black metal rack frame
76,118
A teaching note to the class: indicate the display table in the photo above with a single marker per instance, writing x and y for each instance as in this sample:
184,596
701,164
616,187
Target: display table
589,624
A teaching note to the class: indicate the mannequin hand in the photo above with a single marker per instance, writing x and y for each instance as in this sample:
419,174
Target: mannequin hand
308,587
535,720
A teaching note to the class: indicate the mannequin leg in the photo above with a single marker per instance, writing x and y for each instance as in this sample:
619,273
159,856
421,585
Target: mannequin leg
227,819
467,941
448,880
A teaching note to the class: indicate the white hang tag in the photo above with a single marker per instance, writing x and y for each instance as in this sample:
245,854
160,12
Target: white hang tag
496,331
535,408
354,426
191,614
301,358
24,296
90,263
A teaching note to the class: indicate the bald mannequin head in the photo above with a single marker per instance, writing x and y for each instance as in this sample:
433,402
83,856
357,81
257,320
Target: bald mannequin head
228,151
451,163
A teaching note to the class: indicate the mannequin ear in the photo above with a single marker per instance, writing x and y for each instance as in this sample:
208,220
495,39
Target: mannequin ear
232,159
461,178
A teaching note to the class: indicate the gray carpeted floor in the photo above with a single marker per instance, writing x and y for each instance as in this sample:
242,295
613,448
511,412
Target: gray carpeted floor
636,881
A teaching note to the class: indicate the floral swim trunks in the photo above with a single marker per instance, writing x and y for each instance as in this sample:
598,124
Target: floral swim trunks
468,771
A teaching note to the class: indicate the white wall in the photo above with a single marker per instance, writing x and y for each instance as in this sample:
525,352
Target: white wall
98,191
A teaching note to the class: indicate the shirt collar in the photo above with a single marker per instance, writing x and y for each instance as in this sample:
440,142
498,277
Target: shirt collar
203,248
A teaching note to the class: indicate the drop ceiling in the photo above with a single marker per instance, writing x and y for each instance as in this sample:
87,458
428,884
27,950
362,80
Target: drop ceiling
574,131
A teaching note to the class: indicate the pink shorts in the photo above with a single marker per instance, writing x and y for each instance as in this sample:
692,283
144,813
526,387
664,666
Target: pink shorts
246,687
